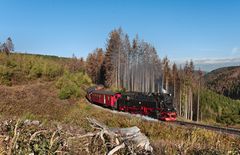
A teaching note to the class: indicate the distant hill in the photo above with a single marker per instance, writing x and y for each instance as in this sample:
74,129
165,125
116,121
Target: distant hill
212,64
225,81
209,65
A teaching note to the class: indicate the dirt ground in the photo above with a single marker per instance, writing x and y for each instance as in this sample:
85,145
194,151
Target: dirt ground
37,98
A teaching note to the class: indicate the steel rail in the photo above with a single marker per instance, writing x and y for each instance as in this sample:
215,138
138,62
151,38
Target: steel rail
232,131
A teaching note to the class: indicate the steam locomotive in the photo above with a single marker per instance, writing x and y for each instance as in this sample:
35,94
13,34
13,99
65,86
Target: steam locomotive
156,105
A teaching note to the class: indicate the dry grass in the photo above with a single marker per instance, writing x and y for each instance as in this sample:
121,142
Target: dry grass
40,101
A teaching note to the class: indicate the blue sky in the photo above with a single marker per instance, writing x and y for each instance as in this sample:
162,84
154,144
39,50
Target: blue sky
180,29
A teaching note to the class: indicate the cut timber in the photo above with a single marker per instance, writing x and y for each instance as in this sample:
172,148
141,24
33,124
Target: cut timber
134,135
118,140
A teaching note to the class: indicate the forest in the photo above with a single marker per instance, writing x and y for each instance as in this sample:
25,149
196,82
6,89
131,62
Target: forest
123,66
135,65
225,81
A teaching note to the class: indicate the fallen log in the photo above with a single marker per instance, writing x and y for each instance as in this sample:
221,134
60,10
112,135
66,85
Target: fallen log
117,140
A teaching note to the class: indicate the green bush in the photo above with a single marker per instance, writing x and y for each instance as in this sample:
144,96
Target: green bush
17,68
52,70
228,119
36,71
6,75
72,84
30,67
65,93
11,64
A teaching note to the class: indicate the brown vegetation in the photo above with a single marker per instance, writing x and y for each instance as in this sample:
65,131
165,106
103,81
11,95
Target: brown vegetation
225,81
40,101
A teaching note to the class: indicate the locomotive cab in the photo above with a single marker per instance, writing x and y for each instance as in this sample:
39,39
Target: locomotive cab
164,107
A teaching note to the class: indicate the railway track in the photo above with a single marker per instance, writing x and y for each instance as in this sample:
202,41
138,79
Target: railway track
231,131
224,130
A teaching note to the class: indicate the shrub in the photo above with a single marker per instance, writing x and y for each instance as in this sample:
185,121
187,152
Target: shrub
228,119
65,93
30,67
6,75
11,64
52,70
36,71
72,84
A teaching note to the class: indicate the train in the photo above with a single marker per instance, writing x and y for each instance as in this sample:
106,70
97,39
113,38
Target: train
156,105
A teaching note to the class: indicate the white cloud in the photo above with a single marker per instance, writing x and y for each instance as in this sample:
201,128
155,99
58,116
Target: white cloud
210,60
217,61
236,50
209,64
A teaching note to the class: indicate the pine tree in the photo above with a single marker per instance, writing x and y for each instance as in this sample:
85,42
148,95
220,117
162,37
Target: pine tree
99,61
174,78
126,62
111,59
166,74
133,63
91,66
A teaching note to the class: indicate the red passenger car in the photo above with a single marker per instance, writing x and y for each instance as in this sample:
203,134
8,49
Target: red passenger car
106,98
157,105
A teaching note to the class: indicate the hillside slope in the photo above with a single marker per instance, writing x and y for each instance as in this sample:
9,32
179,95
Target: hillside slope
40,101
225,81
218,108
51,90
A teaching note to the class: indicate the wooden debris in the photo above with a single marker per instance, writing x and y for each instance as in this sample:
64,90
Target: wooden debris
117,140
31,137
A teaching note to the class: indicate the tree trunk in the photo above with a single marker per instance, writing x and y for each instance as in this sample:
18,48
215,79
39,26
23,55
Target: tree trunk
186,104
191,104
198,99
180,101
167,89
